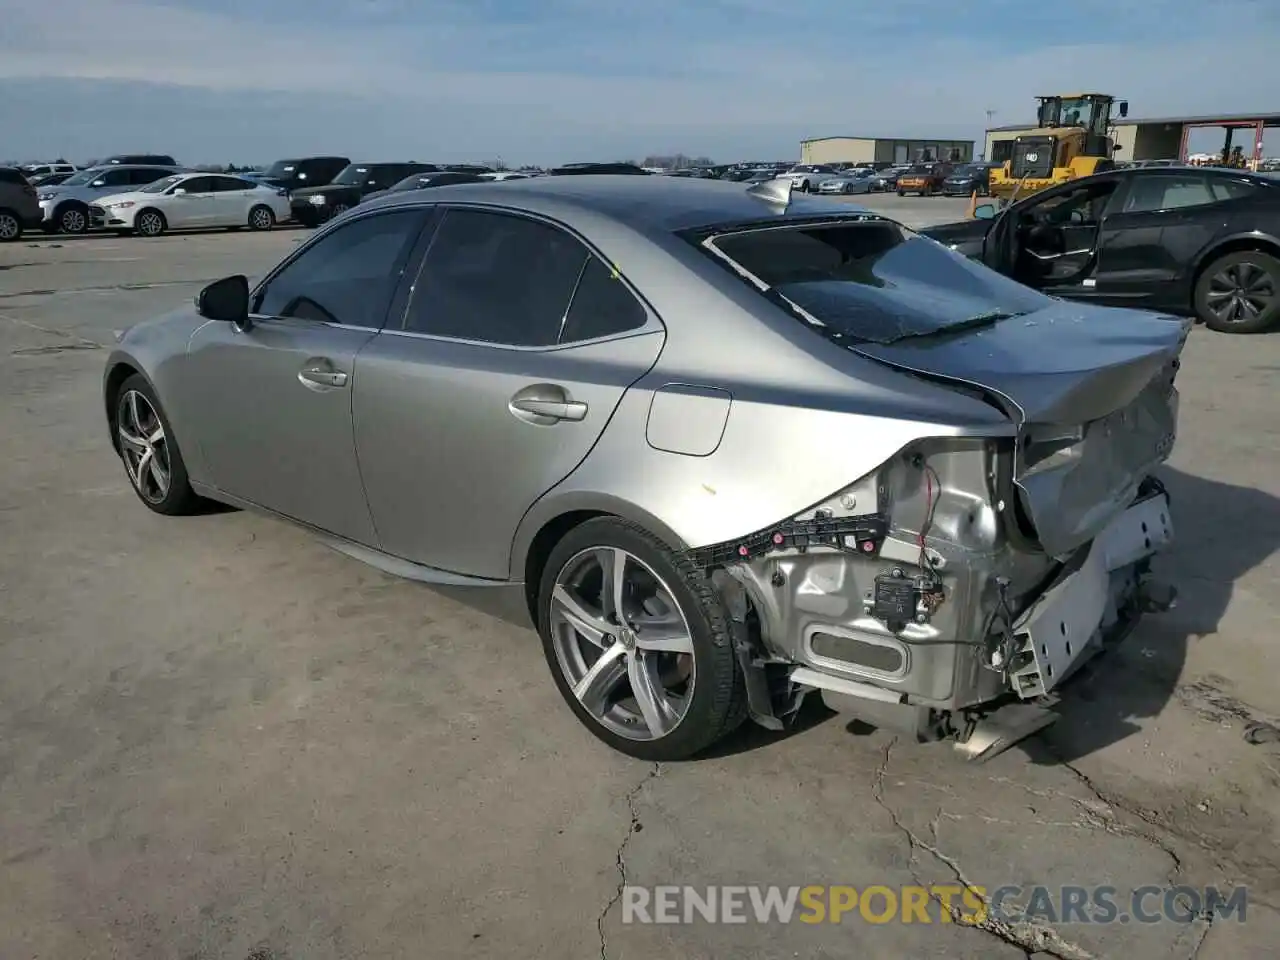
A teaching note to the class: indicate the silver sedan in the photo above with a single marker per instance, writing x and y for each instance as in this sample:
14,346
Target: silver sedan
723,450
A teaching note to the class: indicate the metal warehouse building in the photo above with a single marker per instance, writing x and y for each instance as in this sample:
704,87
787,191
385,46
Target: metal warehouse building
1158,138
883,150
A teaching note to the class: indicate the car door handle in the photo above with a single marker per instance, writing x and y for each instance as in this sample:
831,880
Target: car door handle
551,409
322,378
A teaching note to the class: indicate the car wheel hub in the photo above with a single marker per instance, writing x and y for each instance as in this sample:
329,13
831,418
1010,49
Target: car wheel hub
150,224
73,221
8,226
622,643
1241,292
260,218
143,446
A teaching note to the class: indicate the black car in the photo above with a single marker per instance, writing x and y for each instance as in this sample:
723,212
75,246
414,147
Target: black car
139,159
967,180
1193,241
570,169
312,206
298,172
423,181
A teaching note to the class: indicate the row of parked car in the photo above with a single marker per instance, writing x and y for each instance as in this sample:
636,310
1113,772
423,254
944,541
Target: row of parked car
149,194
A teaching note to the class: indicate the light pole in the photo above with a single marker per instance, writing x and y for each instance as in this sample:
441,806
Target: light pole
990,116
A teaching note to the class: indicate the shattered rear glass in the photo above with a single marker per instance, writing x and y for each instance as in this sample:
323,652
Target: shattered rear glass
875,280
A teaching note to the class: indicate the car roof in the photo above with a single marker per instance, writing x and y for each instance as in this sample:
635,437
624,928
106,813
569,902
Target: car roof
666,204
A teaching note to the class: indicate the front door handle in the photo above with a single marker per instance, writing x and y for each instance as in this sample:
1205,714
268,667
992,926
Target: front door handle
551,409
320,377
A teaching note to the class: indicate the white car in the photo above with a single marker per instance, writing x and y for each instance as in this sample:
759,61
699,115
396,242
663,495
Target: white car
807,177
192,201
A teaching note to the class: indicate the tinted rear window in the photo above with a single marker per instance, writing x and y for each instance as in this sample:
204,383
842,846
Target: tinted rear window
875,280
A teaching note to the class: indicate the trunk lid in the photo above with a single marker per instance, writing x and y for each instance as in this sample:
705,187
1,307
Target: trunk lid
1090,391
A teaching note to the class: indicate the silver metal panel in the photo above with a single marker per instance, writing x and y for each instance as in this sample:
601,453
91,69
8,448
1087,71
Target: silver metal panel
688,419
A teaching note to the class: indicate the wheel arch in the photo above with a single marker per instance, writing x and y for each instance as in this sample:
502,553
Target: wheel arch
1258,242
549,521
119,369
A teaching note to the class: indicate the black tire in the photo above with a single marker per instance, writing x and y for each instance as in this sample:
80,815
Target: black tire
150,223
261,218
72,218
10,226
718,699
902,193
1249,271
179,498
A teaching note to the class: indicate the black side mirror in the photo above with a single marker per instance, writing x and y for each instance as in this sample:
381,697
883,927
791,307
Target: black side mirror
1124,108
226,300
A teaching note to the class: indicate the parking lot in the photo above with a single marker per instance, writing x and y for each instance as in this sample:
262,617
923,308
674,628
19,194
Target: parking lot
220,739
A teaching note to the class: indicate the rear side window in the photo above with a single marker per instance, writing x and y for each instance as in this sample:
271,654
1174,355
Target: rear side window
1231,189
143,177
9,175
871,280
1148,194
602,305
496,278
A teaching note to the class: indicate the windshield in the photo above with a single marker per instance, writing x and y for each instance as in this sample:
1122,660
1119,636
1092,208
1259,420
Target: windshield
876,280
161,185
282,170
355,175
83,177
414,182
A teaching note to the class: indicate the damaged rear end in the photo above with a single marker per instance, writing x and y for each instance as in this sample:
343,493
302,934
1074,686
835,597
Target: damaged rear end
951,591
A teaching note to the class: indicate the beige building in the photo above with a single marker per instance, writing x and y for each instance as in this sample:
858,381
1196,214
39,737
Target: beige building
883,150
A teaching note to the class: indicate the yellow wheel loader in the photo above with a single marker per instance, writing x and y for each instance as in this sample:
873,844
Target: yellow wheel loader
1072,139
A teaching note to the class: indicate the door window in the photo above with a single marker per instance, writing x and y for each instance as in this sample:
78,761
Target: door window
116,178
226,184
198,185
1231,189
1147,194
141,178
347,276
496,278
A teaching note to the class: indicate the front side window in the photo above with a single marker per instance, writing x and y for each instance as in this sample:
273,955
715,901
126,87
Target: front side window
161,185
873,281
347,276
496,278
143,177
114,178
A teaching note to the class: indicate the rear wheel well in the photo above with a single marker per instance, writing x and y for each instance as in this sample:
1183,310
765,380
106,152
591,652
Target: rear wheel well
1231,246
115,380
552,532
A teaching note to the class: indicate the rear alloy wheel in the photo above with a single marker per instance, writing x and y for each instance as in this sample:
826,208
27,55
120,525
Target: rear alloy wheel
261,218
73,220
1240,293
10,227
150,223
151,457
638,642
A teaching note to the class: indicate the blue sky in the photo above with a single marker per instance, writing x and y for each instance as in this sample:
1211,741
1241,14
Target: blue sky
546,81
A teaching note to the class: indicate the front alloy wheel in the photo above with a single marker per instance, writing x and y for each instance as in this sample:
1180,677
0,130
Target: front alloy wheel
10,227
73,220
638,642
151,457
149,223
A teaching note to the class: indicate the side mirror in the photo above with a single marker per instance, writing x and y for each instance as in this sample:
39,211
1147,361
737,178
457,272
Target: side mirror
1124,108
984,211
179,191
226,300
98,183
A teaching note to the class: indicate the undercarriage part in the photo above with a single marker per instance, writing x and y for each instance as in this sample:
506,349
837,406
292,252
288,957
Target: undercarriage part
861,534
898,599
923,724
993,733
768,701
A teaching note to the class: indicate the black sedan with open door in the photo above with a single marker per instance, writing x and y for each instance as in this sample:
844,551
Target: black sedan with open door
1202,242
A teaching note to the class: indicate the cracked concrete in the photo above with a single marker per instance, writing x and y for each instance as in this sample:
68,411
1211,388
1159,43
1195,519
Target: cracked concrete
222,740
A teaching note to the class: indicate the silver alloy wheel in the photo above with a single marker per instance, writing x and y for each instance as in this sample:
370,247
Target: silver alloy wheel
622,643
1240,293
260,218
150,224
73,221
10,228
143,446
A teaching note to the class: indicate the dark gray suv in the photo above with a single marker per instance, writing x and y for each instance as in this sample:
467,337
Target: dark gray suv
19,208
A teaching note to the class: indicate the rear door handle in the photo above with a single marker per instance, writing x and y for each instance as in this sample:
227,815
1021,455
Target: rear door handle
551,409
